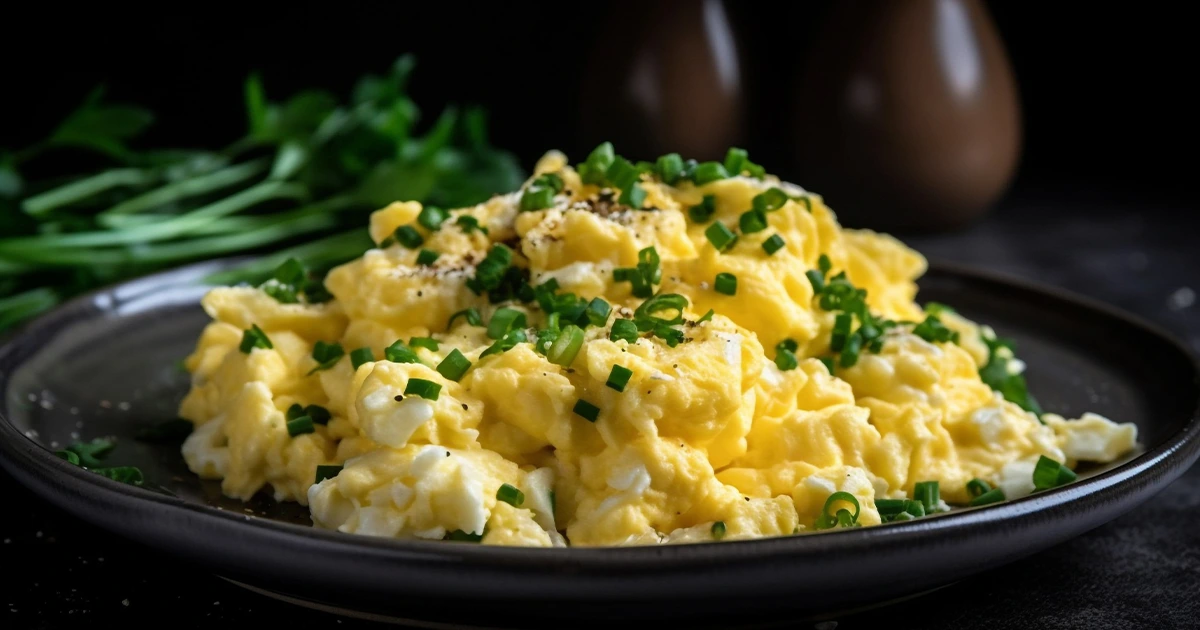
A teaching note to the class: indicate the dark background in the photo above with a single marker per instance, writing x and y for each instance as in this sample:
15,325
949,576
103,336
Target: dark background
1107,89
1102,205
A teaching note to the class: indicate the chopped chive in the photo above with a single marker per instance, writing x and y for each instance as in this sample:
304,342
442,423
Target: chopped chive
319,414
300,426
504,320
255,338
564,349
361,356
720,236
774,244
718,530
471,314
769,200
291,272
423,388
977,487
454,366
841,331
788,344
645,317
427,257
841,518
707,172
326,355
726,284
400,353
704,211
124,474
490,272
594,170
549,180
70,456
786,360
618,378
669,167
634,196
1051,474
597,311
511,495
431,218
706,317
850,354
536,198
429,343
408,236
932,330
624,329
327,472
586,410
506,343
995,495
927,493
937,308
295,411
752,221
817,280
735,161
469,224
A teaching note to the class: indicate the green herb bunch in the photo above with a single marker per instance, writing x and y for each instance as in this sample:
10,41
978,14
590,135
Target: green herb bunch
310,166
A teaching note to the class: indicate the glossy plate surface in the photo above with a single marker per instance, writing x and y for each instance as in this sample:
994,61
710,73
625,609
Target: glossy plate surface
107,365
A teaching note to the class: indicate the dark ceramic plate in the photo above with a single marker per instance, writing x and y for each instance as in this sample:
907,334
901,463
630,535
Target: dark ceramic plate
106,364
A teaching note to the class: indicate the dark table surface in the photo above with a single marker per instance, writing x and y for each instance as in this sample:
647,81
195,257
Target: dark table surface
1140,571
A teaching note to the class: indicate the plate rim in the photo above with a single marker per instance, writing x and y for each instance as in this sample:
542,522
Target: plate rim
37,468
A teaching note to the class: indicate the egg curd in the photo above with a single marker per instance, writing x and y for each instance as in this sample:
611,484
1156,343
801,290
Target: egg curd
619,354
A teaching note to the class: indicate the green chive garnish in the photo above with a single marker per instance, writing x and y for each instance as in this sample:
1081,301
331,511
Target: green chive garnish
752,221
511,495
788,344
400,353
408,236
669,167
327,472
634,196
453,366
427,257
841,331
769,200
720,236
586,410
300,426
977,487
704,211
707,172
995,495
619,377
718,530
828,363
295,411
594,170
319,414
932,330
504,320
735,161
706,317
361,356
842,517
471,314
774,244
786,360
624,329
326,355
726,284
431,218
928,494
597,311
423,388
255,338
851,351
536,198
469,224
506,343
564,349
429,343
1051,474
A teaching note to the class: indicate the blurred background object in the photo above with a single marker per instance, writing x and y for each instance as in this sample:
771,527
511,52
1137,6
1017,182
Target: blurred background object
907,114
670,81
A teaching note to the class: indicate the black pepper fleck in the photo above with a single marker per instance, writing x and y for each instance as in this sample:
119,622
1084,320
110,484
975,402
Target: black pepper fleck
399,397
464,406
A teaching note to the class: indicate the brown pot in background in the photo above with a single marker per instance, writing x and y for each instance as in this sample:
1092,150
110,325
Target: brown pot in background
664,77
907,114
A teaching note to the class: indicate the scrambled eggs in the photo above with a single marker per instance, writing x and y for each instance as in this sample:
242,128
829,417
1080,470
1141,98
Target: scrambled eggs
618,354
